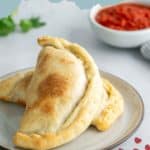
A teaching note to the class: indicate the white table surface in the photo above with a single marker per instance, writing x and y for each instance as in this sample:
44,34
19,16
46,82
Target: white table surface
66,20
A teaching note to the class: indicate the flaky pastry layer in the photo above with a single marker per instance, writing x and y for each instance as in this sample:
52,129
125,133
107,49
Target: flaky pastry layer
113,109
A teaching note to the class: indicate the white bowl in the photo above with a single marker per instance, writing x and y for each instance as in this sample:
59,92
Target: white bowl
123,39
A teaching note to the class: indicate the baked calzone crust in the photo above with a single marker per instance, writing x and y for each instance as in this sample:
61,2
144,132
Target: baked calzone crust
112,108
62,95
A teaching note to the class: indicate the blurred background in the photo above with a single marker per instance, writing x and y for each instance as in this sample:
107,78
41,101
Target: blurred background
7,7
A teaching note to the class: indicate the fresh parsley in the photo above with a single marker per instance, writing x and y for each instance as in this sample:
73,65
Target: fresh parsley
36,23
28,24
25,25
7,25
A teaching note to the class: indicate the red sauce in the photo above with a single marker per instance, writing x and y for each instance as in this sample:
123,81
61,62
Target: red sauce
127,16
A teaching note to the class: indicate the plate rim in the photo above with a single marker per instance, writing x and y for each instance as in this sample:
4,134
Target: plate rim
136,127
103,73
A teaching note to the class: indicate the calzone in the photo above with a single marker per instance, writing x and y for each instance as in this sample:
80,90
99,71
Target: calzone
62,95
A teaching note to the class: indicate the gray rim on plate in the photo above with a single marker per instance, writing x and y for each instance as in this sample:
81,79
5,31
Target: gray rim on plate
125,138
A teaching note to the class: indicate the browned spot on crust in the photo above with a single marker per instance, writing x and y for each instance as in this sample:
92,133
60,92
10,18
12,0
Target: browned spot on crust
46,107
54,85
38,142
42,63
43,41
21,102
26,80
5,98
66,61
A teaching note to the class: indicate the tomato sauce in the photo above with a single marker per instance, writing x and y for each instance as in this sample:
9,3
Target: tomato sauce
126,16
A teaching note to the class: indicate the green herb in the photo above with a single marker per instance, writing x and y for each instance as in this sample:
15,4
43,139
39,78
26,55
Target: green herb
7,26
36,22
25,25
28,24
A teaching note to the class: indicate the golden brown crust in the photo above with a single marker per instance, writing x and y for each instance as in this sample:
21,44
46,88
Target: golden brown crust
10,85
47,107
113,109
41,64
54,85
83,113
66,61
50,88
6,85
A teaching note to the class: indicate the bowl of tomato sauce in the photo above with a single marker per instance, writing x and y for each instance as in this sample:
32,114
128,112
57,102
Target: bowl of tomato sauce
124,25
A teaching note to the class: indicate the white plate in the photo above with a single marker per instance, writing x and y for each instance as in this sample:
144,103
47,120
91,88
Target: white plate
92,139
